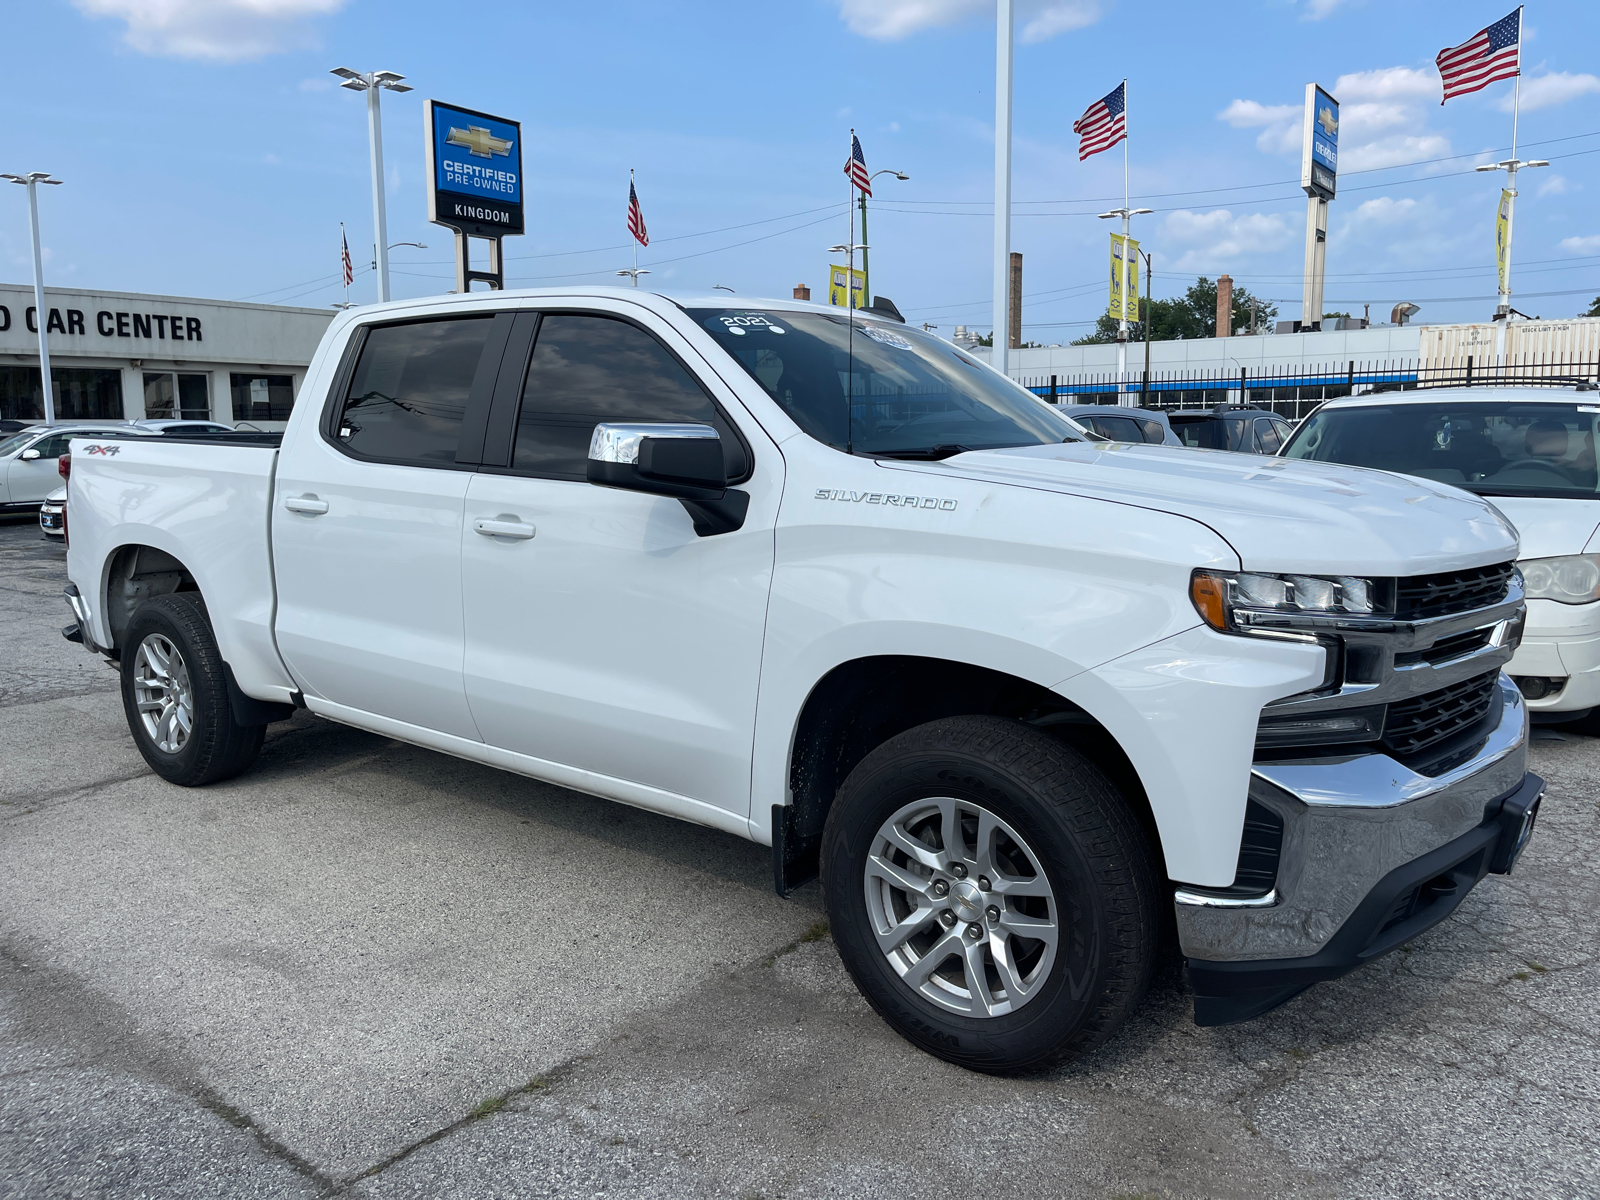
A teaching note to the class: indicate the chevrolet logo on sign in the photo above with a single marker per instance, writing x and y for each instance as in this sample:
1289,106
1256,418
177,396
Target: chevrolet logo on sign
479,142
1325,118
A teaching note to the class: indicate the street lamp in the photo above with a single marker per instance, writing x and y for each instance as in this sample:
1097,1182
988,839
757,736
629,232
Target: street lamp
1510,166
29,181
866,273
395,245
372,83
1126,214
633,273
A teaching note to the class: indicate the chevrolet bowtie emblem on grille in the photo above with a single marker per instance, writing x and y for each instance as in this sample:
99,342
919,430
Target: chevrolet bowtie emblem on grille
1325,118
480,143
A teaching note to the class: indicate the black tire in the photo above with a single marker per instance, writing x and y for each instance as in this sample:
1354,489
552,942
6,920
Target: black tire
216,746
1067,816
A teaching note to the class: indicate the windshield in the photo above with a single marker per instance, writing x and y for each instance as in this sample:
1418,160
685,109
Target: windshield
910,395
1493,448
16,442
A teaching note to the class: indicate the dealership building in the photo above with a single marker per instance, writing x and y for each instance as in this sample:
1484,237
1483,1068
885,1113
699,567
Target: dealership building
126,356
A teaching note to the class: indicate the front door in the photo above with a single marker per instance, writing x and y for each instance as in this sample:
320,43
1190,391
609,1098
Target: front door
30,481
367,519
601,632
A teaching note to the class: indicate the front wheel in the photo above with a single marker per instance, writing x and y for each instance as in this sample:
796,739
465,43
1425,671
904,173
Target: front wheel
991,893
175,694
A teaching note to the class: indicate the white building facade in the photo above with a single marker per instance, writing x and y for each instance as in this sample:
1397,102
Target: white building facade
126,356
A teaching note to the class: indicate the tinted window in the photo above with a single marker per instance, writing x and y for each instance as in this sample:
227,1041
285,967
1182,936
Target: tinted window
588,370
1154,432
880,388
1118,429
1269,436
1202,433
55,445
1494,448
409,392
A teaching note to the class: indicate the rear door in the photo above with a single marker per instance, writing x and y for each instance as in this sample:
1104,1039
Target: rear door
367,521
601,632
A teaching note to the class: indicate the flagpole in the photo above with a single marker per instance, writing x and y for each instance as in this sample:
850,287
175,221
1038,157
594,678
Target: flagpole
1005,22
1127,229
850,306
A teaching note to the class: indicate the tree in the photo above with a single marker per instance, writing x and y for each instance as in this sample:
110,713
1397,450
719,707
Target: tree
1594,309
1192,315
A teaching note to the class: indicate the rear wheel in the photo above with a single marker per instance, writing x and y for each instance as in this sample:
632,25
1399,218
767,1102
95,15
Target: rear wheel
991,893
175,695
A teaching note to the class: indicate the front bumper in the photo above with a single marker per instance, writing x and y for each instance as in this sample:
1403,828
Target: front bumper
52,520
1372,853
1562,647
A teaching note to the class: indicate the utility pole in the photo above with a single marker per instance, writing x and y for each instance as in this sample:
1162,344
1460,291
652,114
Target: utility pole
1014,310
40,313
372,83
1005,19
1149,320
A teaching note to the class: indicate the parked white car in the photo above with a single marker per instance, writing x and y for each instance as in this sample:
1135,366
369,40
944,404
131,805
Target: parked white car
1531,452
53,515
839,588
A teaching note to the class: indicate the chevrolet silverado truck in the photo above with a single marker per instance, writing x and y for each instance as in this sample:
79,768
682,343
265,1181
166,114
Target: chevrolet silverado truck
1031,705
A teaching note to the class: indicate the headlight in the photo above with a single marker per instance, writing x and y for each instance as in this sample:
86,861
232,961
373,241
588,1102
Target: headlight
1569,579
1226,600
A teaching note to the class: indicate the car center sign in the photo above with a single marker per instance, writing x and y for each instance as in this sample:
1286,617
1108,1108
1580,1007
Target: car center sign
1319,155
474,170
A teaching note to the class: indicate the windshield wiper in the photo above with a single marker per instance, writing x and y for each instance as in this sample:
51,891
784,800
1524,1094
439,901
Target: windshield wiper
928,454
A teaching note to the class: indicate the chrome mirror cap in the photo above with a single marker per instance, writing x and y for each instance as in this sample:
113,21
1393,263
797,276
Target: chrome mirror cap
620,443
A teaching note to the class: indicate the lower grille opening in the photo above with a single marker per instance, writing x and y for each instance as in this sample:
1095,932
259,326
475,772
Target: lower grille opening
1259,850
1421,722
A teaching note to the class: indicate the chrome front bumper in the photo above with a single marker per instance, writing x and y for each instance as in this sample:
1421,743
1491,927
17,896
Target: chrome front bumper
1352,828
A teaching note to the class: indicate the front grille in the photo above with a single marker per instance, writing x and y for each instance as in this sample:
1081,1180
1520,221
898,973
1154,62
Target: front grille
1414,725
1421,596
1446,648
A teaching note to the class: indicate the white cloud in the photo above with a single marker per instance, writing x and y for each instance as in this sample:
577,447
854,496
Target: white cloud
1212,240
316,85
1383,116
1316,10
1384,210
221,30
1545,91
1582,245
1556,185
1387,83
891,20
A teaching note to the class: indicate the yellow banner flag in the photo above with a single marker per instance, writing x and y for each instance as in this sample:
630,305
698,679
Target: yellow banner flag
837,277
1502,239
1124,304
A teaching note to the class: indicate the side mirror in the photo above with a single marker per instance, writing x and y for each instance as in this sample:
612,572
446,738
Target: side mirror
28,455
683,461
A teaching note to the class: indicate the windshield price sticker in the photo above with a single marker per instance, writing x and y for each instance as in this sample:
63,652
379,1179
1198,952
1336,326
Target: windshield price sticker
886,337
739,324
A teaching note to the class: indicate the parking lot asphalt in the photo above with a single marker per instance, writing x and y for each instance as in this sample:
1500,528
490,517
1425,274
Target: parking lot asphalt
369,970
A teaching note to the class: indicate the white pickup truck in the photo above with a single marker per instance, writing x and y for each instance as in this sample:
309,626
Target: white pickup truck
1026,702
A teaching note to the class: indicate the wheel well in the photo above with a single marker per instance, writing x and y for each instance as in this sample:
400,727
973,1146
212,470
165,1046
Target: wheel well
138,573
860,705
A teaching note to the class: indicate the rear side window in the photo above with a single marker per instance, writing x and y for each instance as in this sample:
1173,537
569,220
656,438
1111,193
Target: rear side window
1200,433
408,394
1118,429
587,370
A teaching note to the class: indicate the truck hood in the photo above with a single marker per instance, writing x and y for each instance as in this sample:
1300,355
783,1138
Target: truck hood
1278,514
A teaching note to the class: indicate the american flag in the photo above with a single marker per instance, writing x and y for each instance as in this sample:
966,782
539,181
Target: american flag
636,217
1104,123
1490,54
856,168
344,257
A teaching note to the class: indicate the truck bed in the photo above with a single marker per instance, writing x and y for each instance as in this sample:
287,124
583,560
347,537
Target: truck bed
205,501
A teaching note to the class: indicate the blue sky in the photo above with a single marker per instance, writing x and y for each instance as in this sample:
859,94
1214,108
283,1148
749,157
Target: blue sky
207,152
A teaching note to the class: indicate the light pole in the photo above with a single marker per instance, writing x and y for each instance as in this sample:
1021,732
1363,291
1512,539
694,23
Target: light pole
848,249
1510,166
633,273
866,272
372,83
1005,20
29,181
1126,214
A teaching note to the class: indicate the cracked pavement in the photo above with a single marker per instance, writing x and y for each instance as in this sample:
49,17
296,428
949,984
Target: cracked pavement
367,970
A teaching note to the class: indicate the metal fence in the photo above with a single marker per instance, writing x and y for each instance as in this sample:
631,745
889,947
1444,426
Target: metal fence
1293,391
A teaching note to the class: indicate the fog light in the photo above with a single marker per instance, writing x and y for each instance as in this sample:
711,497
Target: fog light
1321,729
1537,687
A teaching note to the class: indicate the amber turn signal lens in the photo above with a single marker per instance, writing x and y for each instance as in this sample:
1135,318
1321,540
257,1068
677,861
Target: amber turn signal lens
1209,593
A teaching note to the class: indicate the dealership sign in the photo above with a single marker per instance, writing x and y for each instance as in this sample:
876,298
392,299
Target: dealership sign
474,170
1319,154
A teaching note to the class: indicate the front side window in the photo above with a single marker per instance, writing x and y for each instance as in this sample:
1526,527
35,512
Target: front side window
881,389
408,394
1268,436
1494,448
587,370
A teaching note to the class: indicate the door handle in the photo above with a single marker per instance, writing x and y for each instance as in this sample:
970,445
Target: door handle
309,505
505,529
